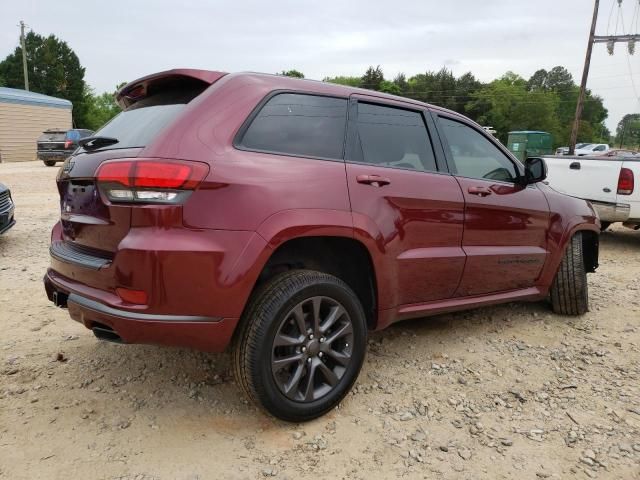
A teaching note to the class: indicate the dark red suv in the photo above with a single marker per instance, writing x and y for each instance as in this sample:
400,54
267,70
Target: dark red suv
289,217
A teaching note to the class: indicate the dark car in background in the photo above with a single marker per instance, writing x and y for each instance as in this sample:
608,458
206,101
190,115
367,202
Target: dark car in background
7,209
57,145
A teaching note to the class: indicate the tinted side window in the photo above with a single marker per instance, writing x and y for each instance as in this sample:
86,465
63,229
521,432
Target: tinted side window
474,156
296,124
393,137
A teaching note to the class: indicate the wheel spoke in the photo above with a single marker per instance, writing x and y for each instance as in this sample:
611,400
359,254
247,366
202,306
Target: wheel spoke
283,340
345,329
298,314
329,375
338,357
317,301
336,312
280,363
294,381
309,387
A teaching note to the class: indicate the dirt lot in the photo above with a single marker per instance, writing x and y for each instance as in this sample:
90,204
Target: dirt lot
504,392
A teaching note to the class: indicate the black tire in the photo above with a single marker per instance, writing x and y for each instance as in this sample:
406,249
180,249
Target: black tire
50,163
274,308
604,226
570,291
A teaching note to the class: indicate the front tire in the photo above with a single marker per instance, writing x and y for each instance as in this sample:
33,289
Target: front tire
50,163
570,291
301,345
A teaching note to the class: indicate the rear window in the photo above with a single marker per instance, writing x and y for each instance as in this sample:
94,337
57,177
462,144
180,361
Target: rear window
142,122
52,136
298,124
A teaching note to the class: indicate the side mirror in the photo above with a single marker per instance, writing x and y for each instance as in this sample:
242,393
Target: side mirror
535,170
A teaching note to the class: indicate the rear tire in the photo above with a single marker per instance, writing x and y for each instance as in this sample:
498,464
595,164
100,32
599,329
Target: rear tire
50,163
301,344
570,291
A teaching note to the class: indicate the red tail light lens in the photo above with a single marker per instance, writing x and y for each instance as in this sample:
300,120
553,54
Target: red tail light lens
150,181
138,297
625,182
67,143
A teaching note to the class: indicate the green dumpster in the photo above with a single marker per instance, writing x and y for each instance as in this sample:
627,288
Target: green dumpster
530,143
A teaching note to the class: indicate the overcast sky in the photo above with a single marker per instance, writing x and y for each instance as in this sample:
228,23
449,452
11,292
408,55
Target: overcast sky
118,41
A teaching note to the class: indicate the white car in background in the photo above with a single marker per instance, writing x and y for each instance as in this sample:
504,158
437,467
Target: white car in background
565,150
592,149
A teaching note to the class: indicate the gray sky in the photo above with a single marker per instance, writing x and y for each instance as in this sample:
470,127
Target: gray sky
118,41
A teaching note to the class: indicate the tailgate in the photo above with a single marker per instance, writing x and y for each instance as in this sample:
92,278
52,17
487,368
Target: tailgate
586,178
86,220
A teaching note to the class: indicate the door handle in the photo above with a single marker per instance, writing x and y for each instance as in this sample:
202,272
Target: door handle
575,166
373,180
480,191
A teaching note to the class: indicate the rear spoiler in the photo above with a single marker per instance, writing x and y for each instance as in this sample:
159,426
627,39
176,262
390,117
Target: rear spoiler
138,89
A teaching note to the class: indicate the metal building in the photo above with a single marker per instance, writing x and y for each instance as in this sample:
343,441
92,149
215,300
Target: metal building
23,117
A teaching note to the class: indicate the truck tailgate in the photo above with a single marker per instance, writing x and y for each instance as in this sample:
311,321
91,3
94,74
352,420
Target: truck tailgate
591,179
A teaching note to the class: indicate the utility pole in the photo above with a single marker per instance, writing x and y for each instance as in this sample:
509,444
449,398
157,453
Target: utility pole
583,84
24,57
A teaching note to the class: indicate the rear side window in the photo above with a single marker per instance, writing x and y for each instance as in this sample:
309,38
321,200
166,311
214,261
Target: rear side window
393,137
298,124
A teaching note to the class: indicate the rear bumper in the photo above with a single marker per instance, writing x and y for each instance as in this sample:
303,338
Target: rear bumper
210,334
54,155
612,212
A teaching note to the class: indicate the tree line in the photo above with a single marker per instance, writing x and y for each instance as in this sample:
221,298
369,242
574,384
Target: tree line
54,69
546,101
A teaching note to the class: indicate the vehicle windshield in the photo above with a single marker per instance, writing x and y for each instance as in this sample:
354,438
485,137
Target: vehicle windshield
581,145
586,146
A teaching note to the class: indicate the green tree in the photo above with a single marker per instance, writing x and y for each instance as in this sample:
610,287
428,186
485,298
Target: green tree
292,73
539,80
53,68
347,81
390,87
507,105
628,131
559,81
100,109
372,78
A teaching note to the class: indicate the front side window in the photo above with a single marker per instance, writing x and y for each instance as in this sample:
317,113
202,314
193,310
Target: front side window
393,137
298,124
474,156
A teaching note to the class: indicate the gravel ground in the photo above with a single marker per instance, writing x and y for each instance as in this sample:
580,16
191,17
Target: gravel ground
503,392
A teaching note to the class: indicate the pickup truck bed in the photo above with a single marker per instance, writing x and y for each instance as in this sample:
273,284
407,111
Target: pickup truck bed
598,180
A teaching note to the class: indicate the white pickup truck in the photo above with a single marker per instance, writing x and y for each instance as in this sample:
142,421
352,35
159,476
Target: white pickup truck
609,184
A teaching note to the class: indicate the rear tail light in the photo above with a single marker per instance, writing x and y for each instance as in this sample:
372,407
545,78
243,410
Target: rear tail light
625,182
150,181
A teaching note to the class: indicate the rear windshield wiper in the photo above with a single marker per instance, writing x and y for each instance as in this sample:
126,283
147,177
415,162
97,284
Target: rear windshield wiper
93,143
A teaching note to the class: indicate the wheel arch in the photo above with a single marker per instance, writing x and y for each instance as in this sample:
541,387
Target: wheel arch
339,255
